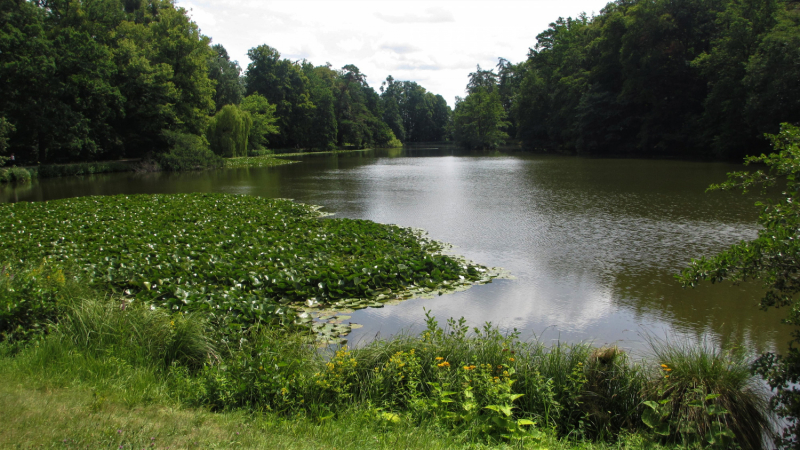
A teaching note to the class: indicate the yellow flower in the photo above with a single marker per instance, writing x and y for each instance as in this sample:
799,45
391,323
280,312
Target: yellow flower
444,364
511,359
663,366
439,358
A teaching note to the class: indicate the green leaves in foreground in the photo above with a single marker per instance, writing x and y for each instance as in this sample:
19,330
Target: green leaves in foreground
245,258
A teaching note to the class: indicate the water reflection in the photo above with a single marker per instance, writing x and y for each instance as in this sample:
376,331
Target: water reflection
593,243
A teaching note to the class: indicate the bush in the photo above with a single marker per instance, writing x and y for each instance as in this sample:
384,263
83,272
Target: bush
90,168
32,297
17,174
228,131
187,152
702,394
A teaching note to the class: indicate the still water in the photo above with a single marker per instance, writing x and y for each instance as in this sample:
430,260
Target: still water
593,244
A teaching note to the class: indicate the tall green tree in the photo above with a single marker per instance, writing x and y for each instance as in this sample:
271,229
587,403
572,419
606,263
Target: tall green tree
229,130
100,79
262,114
284,85
226,74
478,120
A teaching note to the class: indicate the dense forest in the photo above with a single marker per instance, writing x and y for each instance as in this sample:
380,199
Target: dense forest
106,79
686,78
91,80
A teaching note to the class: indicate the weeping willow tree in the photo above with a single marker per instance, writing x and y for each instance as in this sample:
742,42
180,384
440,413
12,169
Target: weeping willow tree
228,131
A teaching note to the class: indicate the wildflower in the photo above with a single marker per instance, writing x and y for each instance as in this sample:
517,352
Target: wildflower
439,358
444,364
664,366
511,359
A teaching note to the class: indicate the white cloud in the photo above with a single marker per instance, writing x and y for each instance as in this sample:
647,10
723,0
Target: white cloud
436,43
431,15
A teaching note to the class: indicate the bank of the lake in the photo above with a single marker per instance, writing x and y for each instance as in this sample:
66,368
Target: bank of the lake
194,301
114,373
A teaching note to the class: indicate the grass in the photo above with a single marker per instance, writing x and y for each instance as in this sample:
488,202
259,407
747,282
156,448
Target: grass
37,416
89,367
255,161
691,373
109,366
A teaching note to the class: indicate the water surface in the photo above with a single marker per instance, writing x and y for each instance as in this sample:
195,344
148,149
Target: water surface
593,243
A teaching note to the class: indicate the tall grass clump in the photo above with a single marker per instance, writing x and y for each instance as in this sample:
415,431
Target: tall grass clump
137,334
707,395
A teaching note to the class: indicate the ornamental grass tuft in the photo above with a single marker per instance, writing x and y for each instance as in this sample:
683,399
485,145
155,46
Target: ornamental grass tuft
701,393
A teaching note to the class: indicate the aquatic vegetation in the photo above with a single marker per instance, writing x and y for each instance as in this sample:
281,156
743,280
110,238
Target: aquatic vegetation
239,259
255,161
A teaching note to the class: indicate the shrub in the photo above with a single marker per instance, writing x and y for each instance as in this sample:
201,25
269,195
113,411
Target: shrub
228,131
63,170
187,152
31,296
702,394
17,174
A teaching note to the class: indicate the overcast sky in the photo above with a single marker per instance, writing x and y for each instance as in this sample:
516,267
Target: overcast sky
435,43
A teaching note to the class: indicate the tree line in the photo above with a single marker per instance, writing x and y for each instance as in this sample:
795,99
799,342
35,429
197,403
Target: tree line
685,78
105,79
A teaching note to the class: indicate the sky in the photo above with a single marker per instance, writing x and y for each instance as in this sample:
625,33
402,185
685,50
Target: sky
435,43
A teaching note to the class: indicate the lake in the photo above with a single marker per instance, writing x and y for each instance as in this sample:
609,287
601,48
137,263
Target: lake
593,244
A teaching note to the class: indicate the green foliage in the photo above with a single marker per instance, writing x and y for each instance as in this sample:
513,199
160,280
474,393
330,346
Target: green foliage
688,78
705,395
30,296
5,130
478,120
187,152
283,83
64,170
240,259
15,174
479,387
263,118
228,131
413,114
136,334
771,258
256,161
229,88
93,80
